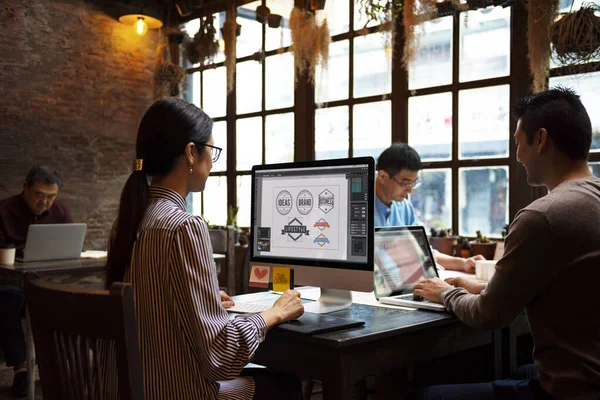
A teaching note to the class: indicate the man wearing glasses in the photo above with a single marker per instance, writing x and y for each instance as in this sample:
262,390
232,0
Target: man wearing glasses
397,175
35,205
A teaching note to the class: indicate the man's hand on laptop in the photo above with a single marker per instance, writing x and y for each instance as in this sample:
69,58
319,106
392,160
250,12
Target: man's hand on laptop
468,284
469,265
430,289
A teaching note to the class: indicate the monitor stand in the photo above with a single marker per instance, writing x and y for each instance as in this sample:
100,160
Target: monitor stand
331,300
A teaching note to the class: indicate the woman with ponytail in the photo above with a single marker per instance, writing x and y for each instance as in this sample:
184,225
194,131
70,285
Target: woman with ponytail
190,348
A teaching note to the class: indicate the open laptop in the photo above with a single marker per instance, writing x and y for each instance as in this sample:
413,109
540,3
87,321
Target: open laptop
402,258
48,242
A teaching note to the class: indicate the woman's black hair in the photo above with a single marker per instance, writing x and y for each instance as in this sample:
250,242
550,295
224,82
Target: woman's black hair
164,132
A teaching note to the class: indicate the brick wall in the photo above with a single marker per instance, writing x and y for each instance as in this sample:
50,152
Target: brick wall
74,83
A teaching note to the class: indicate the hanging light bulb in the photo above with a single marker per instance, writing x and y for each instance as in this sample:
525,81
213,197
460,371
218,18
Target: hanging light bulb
140,26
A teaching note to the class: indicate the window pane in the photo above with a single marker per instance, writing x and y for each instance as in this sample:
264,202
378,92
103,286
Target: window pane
196,203
595,168
279,91
250,39
279,138
430,125
338,16
214,95
332,83
276,38
331,133
433,60
249,87
483,122
244,188
372,66
433,199
587,87
220,137
372,128
483,200
485,44
196,89
248,143
215,200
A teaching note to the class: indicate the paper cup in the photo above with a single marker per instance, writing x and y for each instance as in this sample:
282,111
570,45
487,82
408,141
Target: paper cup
7,255
484,269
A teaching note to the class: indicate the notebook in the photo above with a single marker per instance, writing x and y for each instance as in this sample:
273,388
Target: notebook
402,258
48,242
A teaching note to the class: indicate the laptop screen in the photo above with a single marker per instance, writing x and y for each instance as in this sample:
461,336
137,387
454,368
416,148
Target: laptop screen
402,258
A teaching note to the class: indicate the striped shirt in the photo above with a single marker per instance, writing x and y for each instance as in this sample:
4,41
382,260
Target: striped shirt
187,340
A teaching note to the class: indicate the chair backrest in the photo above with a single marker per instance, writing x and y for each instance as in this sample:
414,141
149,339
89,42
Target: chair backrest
223,242
69,326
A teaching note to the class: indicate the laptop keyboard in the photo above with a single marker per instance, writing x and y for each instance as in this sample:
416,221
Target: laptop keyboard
248,308
411,297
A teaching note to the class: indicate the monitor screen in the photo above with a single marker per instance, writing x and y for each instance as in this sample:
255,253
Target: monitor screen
402,258
317,213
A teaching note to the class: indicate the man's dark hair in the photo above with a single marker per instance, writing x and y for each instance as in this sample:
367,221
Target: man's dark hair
560,112
44,174
397,157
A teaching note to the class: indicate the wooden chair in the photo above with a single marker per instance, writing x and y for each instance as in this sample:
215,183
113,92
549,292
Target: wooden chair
222,241
68,323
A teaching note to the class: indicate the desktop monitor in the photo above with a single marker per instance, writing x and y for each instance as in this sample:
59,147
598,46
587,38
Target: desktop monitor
316,217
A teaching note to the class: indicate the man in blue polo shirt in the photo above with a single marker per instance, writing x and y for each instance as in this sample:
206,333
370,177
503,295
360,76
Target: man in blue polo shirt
397,175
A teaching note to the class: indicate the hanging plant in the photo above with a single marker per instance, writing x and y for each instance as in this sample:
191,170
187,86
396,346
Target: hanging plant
168,80
380,11
230,29
204,46
310,42
576,36
541,16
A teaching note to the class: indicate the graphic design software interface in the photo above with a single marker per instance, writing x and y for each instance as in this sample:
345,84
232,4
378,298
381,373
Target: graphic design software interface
317,213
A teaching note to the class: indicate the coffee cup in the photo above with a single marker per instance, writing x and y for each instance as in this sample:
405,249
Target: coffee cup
484,269
7,254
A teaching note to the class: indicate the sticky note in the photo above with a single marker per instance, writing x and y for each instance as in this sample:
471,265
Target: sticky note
282,279
259,276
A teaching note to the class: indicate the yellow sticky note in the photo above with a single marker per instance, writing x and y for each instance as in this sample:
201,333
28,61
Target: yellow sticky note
281,279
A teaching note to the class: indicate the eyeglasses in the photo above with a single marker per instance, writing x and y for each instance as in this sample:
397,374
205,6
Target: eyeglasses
215,151
405,185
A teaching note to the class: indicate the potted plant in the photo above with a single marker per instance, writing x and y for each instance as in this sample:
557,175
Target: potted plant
442,240
484,246
463,247
232,221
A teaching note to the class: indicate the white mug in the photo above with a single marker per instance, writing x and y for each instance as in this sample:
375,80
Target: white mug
7,255
484,269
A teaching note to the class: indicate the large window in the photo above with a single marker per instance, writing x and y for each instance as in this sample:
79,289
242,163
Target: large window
260,122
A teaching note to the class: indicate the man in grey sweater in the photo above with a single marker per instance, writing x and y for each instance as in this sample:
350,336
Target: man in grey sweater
550,264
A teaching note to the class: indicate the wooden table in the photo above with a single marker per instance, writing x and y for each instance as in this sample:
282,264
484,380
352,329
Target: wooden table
391,338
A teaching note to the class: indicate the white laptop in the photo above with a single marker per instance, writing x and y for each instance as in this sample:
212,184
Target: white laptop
402,258
48,242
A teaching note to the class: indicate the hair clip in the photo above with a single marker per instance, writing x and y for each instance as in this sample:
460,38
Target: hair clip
137,164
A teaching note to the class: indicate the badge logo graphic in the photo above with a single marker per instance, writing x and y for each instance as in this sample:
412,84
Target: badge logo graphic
304,202
321,224
326,201
283,202
321,240
294,229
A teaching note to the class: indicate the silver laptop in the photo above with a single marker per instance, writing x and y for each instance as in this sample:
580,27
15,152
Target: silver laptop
402,258
47,242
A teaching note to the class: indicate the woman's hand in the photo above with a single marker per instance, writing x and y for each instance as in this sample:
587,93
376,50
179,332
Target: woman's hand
469,265
287,307
226,301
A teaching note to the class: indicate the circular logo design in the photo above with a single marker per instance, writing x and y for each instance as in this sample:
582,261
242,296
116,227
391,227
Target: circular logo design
283,202
304,202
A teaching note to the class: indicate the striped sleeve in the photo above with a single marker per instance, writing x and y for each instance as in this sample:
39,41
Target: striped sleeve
222,346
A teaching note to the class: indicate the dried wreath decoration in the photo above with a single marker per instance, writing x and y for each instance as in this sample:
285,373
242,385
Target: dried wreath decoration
576,36
168,80
204,46
310,42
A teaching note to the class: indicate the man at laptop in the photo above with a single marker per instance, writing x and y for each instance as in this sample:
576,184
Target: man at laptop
35,205
550,264
397,175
